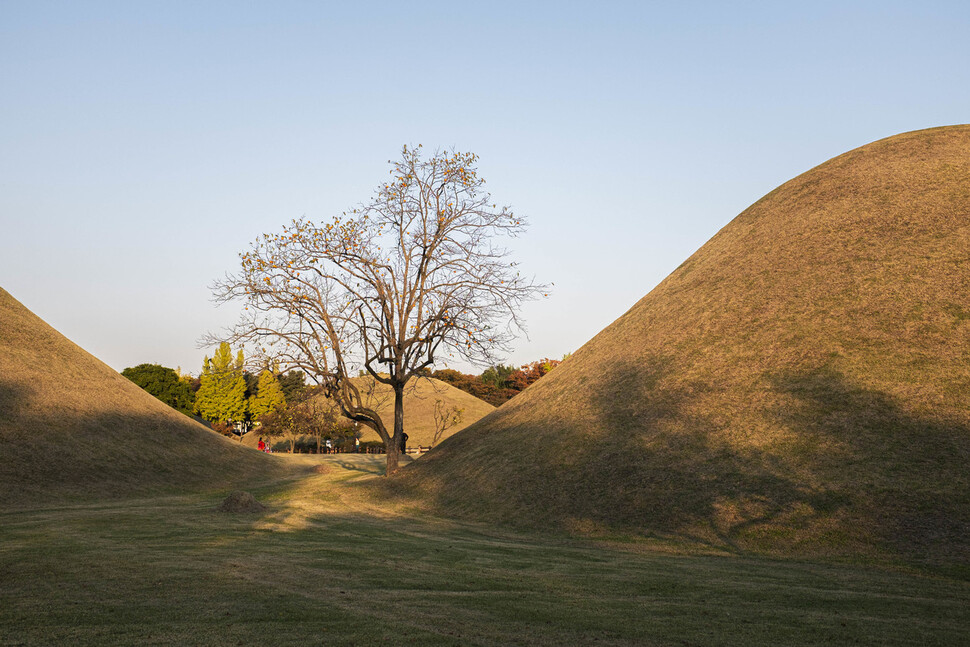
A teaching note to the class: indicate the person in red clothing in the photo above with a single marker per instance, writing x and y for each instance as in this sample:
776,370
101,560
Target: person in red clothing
261,445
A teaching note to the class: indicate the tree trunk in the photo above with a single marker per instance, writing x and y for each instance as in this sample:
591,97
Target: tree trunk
394,448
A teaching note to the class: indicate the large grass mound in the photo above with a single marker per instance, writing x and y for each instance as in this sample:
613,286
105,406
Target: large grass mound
71,427
800,385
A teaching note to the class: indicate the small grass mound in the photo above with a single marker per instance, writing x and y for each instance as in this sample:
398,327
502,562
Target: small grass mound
240,502
426,400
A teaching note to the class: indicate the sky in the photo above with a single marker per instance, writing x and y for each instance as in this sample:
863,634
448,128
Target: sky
143,146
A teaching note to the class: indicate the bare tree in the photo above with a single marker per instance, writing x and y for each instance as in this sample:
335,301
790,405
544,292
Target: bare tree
444,419
415,275
306,415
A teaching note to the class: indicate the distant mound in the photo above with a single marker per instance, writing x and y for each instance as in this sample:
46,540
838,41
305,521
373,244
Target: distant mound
71,427
423,397
427,402
800,385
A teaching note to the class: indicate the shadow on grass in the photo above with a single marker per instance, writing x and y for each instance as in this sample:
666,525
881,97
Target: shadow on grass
184,573
651,457
13,397
51,453
647,463
906,474
367,468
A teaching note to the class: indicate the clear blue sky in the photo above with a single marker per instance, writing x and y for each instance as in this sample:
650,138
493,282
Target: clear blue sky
144,145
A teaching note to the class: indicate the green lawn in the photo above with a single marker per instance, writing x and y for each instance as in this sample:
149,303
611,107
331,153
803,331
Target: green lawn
326,566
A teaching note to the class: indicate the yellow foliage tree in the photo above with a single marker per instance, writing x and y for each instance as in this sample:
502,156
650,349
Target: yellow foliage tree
269,396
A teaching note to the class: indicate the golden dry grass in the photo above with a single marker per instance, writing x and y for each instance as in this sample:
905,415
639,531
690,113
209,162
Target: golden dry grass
421,397
799,385
325,564
71,427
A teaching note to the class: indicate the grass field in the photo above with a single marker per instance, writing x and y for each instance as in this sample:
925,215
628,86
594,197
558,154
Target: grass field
327,565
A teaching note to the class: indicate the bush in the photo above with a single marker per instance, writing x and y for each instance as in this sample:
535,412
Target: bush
223,428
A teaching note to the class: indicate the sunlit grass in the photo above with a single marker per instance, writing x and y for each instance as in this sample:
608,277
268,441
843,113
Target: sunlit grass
799,387
327,565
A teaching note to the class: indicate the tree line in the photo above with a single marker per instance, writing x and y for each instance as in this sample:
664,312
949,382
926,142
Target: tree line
226,395
497,384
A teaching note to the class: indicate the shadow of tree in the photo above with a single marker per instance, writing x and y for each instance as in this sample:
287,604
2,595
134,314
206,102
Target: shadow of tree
369,468
12,399
660,465
646,461
643,451
907,474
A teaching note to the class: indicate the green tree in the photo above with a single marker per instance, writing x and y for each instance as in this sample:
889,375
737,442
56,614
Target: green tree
472,384
222,393
293,384
496,375
252,384
163,383
269,396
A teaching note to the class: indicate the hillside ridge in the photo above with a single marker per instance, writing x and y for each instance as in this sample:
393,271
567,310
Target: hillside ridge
72,428
800,384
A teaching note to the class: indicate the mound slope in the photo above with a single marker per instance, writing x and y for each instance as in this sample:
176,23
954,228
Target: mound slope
801,384
422,398
71,427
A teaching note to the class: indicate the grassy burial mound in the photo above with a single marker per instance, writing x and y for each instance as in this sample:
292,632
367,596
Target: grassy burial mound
71,427
427,402
433,410
800,385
